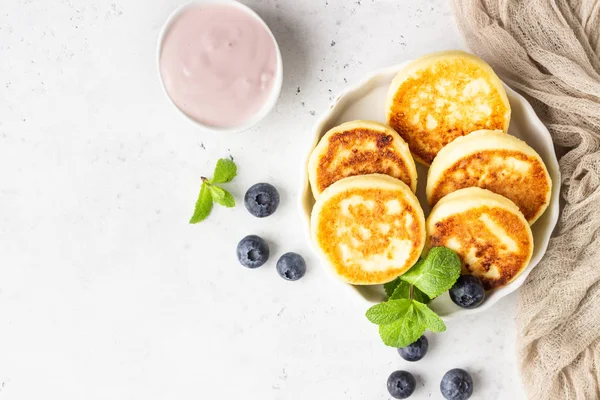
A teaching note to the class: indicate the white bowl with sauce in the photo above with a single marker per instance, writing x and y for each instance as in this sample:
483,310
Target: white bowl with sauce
235,41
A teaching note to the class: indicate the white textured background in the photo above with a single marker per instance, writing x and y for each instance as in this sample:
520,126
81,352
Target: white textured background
107,293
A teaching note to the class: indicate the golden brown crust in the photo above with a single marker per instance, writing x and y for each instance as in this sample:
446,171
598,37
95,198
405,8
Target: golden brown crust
336,226
423,107
529,191
468,230
383,159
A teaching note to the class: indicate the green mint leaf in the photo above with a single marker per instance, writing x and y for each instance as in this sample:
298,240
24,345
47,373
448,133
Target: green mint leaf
225,171
402,291
221,196
204,205
217,193
418,295
227,200
391,286
428,318
405,330
436,273
389,311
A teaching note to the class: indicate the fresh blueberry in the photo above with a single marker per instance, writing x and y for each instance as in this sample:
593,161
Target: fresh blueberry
252,251
457,385
261,200
416,350
401,384
467,292
291,266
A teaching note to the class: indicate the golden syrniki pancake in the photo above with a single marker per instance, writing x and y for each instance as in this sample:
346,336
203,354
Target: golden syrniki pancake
487,231
369,228
441,96
495,161
360,148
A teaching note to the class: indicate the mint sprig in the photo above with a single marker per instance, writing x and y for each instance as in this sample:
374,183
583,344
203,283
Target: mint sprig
225,171
405,316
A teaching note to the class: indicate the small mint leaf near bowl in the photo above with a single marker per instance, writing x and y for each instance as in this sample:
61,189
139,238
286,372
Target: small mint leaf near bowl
467,292
225,171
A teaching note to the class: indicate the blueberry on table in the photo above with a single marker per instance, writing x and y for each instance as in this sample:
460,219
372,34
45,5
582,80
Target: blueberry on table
401,384
415,351
457,384
291,266
252,251
467,292
261,200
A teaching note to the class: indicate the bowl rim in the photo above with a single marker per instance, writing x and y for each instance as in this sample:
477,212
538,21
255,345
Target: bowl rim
551,164
276,91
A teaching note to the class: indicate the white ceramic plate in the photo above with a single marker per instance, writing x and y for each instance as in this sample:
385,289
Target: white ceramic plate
366,100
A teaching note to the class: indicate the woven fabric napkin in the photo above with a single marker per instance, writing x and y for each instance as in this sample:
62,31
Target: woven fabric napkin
549,51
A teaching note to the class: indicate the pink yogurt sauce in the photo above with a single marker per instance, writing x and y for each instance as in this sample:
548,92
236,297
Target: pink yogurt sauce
218,64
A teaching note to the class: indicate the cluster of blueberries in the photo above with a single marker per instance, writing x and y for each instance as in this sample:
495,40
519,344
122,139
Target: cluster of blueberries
456,384
261,200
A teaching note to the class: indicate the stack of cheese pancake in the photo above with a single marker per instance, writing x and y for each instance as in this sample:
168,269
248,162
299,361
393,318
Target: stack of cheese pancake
448,111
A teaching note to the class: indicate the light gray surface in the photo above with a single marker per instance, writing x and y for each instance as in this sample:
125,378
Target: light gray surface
107,293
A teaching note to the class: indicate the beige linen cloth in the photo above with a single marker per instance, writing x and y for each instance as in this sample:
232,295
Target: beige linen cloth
549,51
